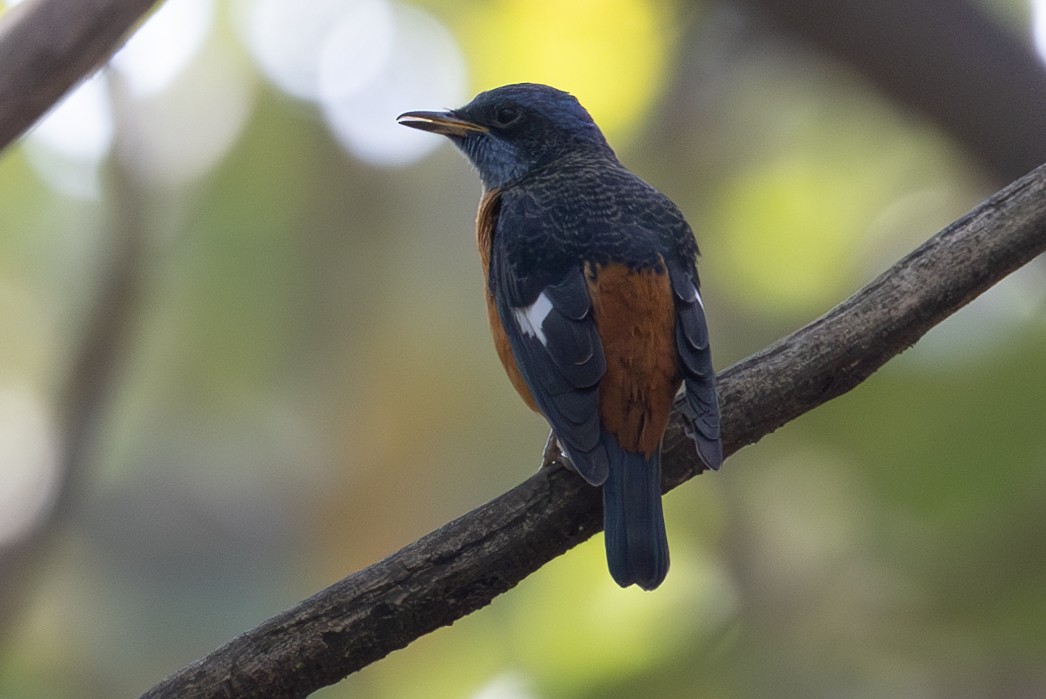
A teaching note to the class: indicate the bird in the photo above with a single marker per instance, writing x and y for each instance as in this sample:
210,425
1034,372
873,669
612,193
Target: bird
593,301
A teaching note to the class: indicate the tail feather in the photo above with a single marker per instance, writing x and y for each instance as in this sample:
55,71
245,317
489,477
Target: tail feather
633,522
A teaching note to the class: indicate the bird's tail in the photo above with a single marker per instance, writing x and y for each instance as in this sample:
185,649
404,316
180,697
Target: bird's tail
633,523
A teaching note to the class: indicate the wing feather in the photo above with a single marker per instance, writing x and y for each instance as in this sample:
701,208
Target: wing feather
561,359
702,401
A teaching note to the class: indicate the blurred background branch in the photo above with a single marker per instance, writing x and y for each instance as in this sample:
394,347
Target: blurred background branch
462,566
47,46
945,58
92,371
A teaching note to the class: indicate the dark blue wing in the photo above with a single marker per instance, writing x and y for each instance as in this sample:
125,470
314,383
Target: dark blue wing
558,351
695,361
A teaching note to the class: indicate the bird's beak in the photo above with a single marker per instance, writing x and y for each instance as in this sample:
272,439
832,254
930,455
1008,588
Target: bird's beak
440,122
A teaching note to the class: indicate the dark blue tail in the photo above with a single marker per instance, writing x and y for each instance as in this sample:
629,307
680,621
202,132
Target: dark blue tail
634,526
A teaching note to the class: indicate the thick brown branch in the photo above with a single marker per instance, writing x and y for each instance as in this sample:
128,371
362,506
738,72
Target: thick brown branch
47,46
463,565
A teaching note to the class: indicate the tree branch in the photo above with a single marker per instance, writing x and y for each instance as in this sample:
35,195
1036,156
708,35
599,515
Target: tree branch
47,46
90,379
462,566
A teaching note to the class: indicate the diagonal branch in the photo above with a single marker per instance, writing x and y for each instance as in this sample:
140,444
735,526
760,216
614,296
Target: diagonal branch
462,566
47,46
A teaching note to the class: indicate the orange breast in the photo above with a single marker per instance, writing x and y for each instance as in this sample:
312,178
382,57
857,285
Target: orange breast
486,219
635,314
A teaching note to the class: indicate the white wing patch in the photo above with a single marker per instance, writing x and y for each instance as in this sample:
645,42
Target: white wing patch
699,301
531,318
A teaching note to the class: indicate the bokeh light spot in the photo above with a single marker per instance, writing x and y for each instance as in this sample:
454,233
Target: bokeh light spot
1038,8
364,62
285,39
792,248
170,141
66,147
356,49
422,68
813,210
81,126
158,52
28,462
507,685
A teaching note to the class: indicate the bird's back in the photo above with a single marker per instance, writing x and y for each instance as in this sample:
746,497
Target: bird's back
623,238
592,209
593,302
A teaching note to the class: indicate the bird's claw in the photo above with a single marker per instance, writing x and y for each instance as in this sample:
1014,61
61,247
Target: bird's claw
554,454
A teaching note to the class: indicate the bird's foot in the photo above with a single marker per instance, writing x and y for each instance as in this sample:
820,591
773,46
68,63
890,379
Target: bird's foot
554,454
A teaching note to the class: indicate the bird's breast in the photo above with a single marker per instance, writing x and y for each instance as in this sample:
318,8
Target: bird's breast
486,222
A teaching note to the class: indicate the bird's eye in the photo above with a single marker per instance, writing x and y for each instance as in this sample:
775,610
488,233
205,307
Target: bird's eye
506,116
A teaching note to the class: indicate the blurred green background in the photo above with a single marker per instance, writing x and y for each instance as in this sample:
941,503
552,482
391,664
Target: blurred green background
301,378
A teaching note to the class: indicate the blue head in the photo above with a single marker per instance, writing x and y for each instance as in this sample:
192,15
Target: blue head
513,130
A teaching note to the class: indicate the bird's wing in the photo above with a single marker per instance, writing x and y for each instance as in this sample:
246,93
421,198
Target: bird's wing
557,347
695,361
547,317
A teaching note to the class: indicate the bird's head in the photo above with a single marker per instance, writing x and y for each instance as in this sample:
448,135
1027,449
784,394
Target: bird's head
511,131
